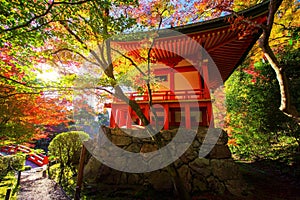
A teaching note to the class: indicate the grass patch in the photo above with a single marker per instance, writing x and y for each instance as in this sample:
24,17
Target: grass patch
283,149
9,181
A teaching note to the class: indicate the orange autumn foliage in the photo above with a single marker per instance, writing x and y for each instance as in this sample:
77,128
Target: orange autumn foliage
24,109
25,115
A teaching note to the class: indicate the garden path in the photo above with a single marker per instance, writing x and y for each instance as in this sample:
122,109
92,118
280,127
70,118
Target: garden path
36,187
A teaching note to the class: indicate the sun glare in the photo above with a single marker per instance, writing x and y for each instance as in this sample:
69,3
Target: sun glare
47,74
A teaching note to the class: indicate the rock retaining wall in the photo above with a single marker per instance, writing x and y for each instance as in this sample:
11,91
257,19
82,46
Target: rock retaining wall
216,173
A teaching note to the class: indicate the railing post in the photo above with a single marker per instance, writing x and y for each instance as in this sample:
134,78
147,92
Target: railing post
19,178
80,173
7,196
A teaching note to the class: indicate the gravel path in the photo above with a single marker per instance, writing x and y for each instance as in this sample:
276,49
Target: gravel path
35,187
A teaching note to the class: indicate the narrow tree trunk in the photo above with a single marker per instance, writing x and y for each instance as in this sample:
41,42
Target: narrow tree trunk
80,174
62,167
285,103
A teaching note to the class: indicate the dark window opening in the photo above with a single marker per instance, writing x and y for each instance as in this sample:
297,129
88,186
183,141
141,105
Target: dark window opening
162,78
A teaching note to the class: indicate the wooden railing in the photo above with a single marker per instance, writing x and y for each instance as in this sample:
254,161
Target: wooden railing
170,95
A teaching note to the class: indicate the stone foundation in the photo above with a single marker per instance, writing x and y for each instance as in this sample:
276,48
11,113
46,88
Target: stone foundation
215,173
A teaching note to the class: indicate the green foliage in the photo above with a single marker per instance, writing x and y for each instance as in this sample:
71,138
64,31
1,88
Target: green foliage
16,131
68,181
255,123
67,146
9,181
11,163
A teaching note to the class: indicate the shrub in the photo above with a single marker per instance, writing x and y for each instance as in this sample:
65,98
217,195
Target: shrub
11,162
67,146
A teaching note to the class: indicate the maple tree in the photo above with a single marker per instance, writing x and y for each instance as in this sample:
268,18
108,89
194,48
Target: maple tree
253,106
24,109
23,116
95,34
286,103
77,28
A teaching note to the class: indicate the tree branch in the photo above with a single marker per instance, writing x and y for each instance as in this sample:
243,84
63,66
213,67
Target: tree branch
101,51
17,93
54,88
285,103
76,52
47,11
74,35
30,20
71,3
130,59
101,64
245,20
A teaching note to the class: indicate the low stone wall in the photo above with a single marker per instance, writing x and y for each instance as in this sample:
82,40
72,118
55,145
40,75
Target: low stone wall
216,173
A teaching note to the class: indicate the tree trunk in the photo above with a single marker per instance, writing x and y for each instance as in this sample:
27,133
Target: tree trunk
80,173
285,103
62,167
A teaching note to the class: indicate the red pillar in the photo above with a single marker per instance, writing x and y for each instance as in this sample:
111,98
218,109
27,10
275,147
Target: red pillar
187,116
147,112
128,119
122,115
172,83
210,115
166,118
206,78
113,118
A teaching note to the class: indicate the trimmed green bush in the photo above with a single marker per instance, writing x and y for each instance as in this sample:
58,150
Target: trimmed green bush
8,163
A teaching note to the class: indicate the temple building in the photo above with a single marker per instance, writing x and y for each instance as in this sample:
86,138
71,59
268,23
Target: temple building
187,73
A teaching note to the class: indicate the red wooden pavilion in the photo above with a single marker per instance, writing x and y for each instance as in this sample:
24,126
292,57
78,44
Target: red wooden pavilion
226,47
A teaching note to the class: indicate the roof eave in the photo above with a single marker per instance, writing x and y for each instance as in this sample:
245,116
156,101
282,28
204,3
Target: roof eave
253,12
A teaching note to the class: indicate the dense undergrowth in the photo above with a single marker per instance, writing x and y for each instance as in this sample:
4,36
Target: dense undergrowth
9,181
